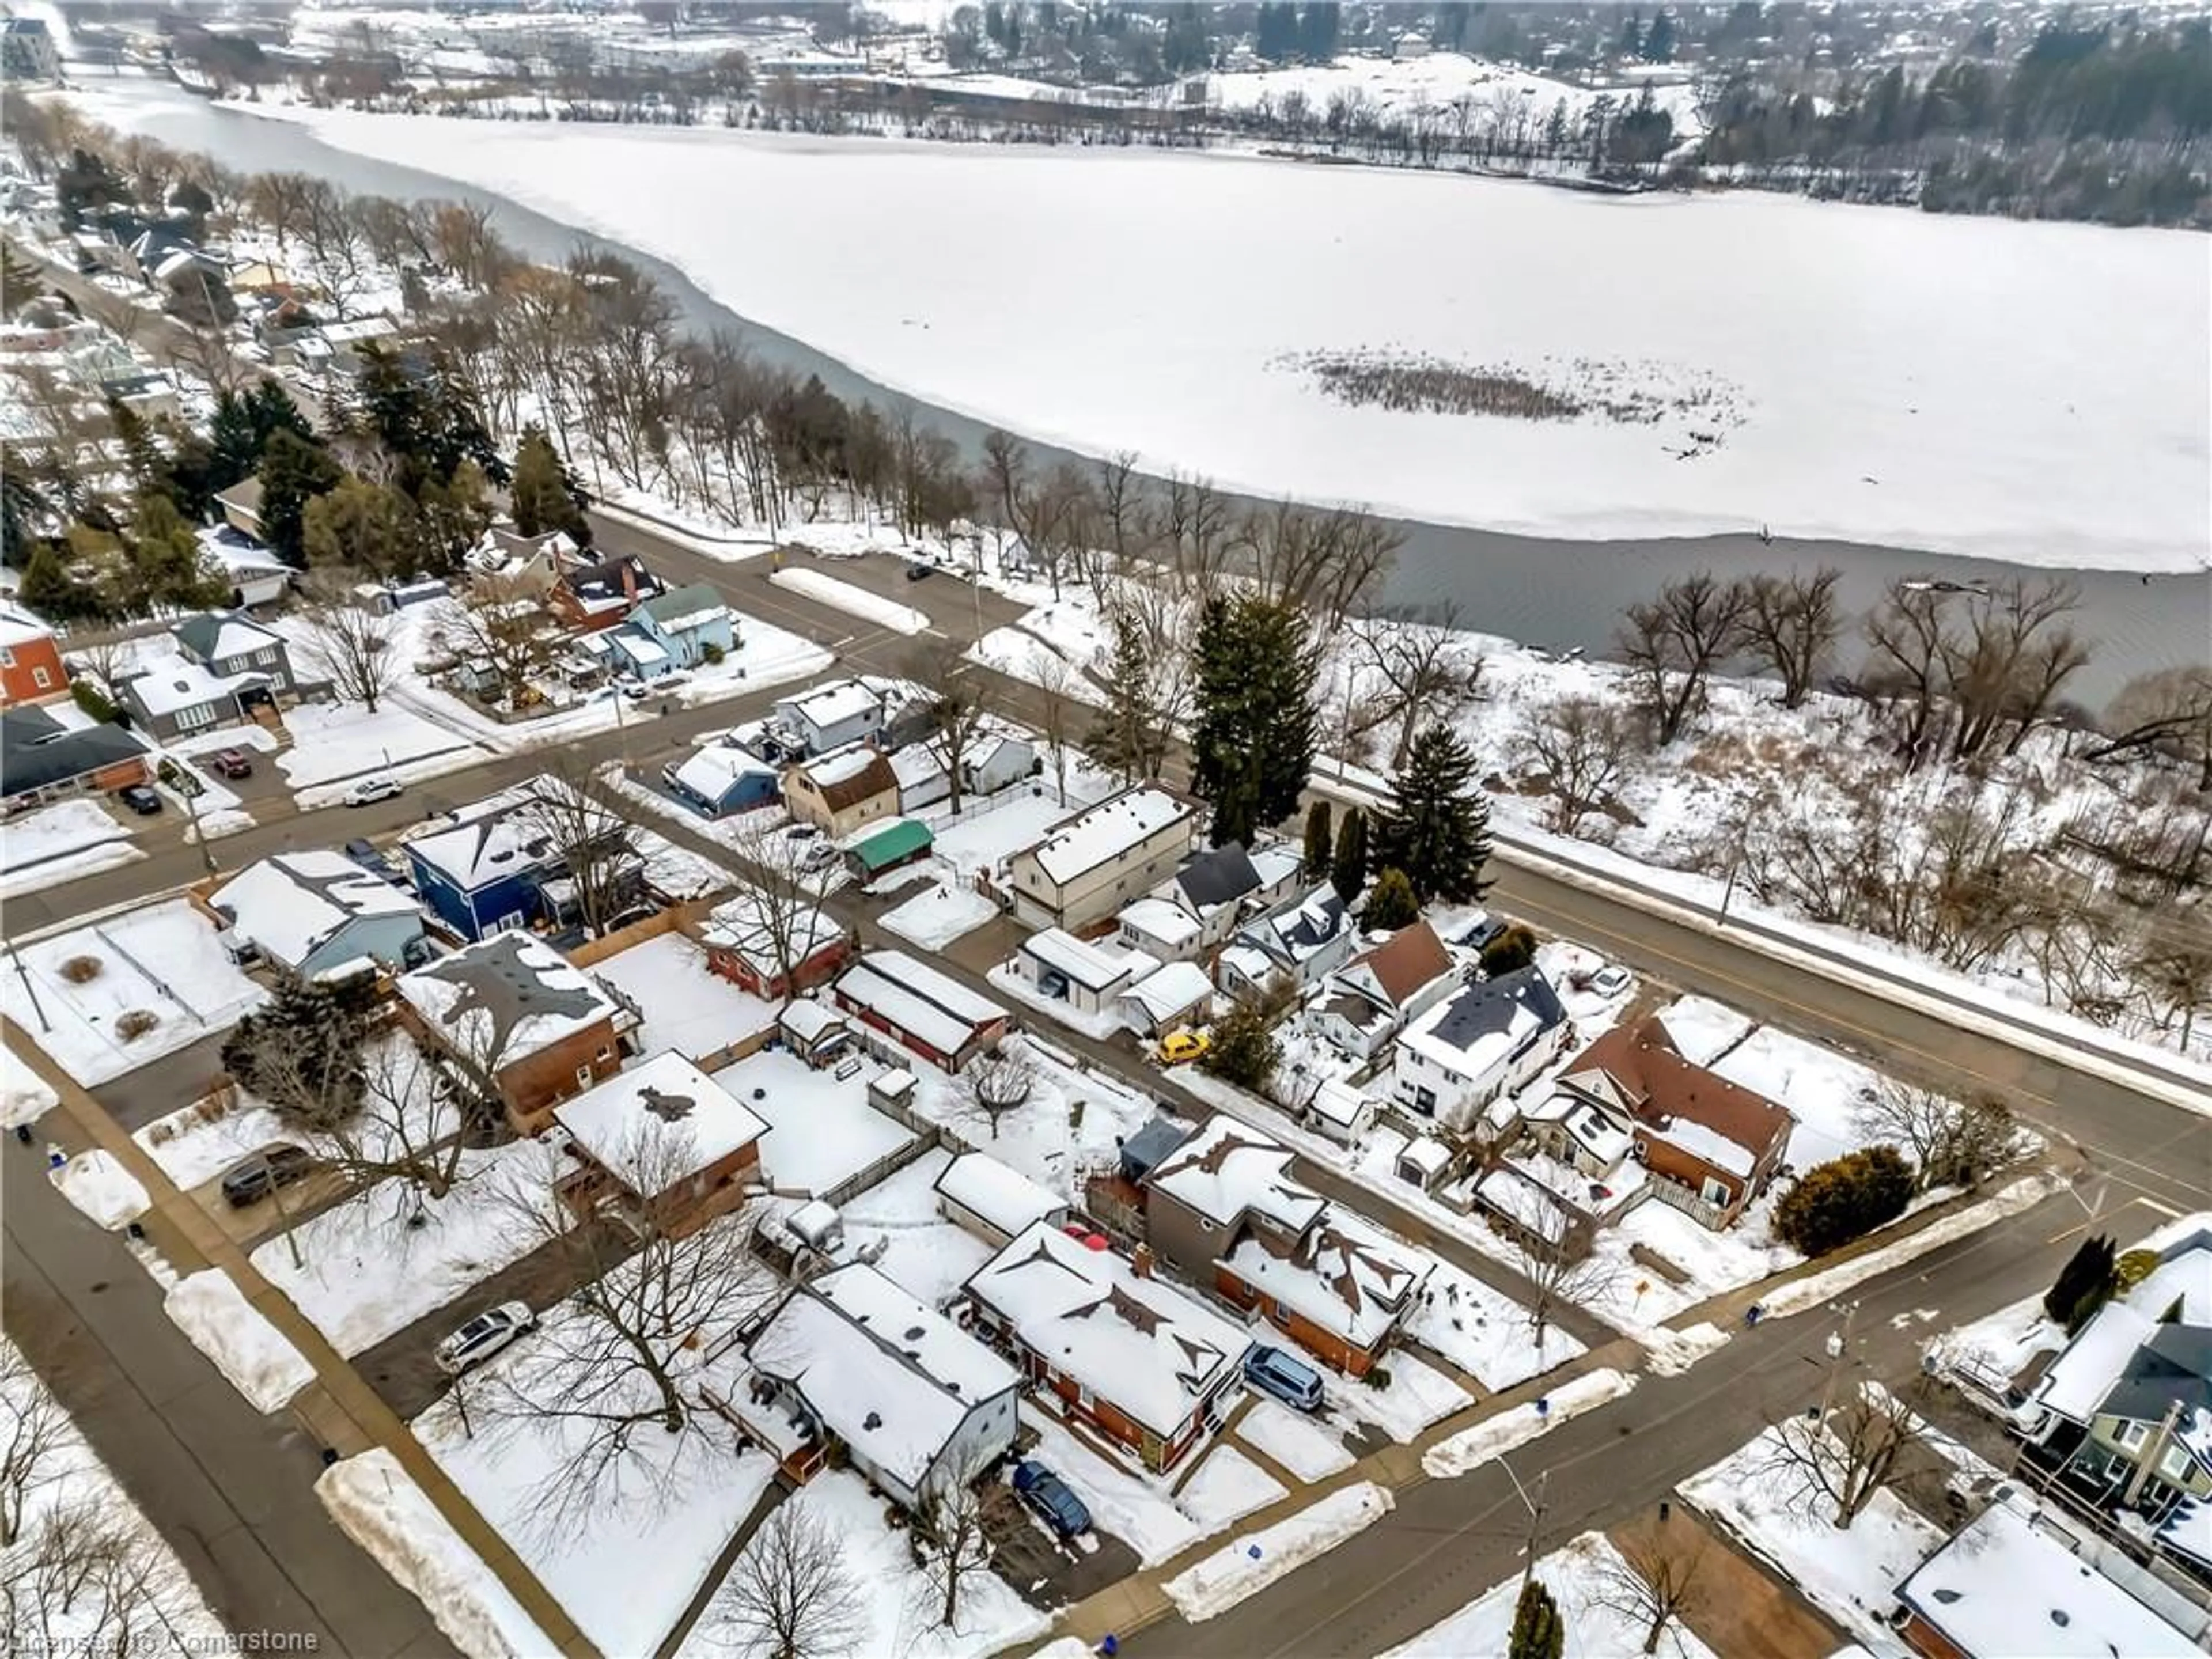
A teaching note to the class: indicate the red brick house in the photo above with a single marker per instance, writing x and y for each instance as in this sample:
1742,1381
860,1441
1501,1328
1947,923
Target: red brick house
920,1009
30,662
663,1141
751,939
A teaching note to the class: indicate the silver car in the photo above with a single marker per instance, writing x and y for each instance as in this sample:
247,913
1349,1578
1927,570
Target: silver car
484,1336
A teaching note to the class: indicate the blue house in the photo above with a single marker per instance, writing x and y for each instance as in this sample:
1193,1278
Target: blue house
675,630
722,778
484,874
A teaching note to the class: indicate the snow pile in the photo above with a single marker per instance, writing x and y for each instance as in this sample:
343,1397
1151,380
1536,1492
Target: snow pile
1816,1290
934,919
1493,1438
60,843
25,1097
1584,1579
1248,1566
855,601
1296,1442
377,1504
102,1188
211,1309
1416,1396
1674,1351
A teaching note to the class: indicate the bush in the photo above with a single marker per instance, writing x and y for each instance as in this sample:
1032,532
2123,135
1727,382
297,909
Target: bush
81,970
136,1023
1514,949
1377,1376
1843,1199
1244,1050
89,697
2084,1285
712,652
1390,902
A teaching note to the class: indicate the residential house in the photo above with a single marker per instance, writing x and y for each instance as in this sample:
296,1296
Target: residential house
841,791
662,1142
518,1020
1161,928
774,946
889,847
1137,1360
1340,1111
685,626
1068,969
1710,1146
2015,1580
30,661
1213,888
1100,860
718,779
993,1200
994,761
910,1001
590,597
41,759
826,717
1478,1045
344,348
922,777
27,50
232,642
1171,996
813,1031
241,508
918,1406
310,912
1539,1204
2149,1441
508,861
532,564
257,575
174,696
194,284
1363,1003
1281,868
1304,942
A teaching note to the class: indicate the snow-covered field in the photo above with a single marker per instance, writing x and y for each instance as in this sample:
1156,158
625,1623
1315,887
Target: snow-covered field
1582,1578
1894,389
923,1254
687,1008
162,961
61,843
333,741
1400,88
821,1131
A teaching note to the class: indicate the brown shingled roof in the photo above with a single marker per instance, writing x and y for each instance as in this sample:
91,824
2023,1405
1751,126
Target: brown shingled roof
1660,1086
1406,960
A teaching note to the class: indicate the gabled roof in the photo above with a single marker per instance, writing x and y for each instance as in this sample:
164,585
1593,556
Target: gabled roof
687,606
1295,930
36,750
901,838
19,627
832,704
292,904
1220,875
213,635
917,1000
844,777
1347,1276
1170,989
2175,1363
1082,962
1399,967
661,1121
610,581
751,925
1105,832
1230,1169
1165,921
1702,1113
169,684
1000,1193
713,768
1487,1022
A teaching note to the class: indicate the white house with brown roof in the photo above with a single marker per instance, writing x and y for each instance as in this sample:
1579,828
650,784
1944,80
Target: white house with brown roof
1363,1003
842,790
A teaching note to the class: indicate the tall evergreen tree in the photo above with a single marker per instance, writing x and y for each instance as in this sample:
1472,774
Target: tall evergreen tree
1319,842
1437,829
543,496
1347,870
1659,41
294,471
2083,1284
1390,902
1126,737
1253,740
1537,1632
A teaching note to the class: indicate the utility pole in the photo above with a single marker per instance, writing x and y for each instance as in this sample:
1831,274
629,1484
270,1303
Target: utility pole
2149,1461
1535,1507
192,811
1839,1348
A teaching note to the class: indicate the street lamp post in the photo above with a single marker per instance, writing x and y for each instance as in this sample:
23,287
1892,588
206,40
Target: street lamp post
1536,1508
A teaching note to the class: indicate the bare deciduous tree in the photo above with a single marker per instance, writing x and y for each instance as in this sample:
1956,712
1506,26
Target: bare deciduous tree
1673,643
790,1595
1836,1465
34,1434
1054,683
1790,624
777,921
573,808
2168,711
995,1085
961,696
498,624
1582,744
954,1544
349,645
1655,1577
1953,1143
1561,1275
1428,667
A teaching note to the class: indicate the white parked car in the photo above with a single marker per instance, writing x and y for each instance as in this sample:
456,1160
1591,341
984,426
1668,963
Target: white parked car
1610,982
484,1336
370,791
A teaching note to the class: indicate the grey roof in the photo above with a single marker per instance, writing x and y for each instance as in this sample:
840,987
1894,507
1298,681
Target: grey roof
678,604
1220,875
1486,1008
2176,1364
36,750
1144,1151
604,580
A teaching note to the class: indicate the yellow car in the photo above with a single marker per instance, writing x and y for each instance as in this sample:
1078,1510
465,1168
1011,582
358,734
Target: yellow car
1177,1047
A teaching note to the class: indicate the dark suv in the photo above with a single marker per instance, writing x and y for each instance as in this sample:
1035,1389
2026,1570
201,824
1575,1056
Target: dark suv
254,1177
1056,1505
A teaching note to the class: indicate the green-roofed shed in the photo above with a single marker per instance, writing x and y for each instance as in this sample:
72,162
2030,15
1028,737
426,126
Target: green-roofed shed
901,841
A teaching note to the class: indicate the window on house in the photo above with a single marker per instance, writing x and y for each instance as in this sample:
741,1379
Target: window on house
201,714
606,1054
2132,1435
6,658
264,658
42,678
1715,1192
583,1077
1424,1101
2174,1465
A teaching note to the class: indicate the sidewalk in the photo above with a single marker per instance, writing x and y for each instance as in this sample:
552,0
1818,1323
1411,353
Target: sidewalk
338,1408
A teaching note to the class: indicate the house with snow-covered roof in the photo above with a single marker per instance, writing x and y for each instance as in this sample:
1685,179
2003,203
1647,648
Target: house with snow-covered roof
1136,1359
1363,1003
1161,928
1100,860
920,1008
509,860
30,662
826,717
685,626
1303,941
917,1404
1084,975
1480,1043
309,912
1171,996
993,1200
718,779
664,1142
842,790
774,946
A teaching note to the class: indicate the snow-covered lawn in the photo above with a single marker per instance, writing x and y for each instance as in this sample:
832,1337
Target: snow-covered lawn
945,913
210,1309
1582,1578
1072,1123
835,592
1299,1444
64,1490
766,655
1825,1090
1485,1332
1416,1396
377,1504
687,1008
60,843
1398,87
1850,1574
821,1130
334,742
162,961
1210,1587
1516,1426
100,1187
1227,1487
901,1601
365,1273
926,1256
1021,655
1923,424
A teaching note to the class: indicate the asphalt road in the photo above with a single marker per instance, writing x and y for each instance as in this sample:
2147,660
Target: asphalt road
231,1490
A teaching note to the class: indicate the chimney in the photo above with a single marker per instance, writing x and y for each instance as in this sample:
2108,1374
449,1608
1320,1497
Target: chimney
629,580
1141,1262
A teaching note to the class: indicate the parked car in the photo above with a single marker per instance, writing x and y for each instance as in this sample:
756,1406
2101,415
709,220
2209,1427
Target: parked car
139,799
1056,1504
371,857
820,856
1272,1371
233,763
484,1336
1484,928
1177,1047
370,791
1610,982
803,831
920,572
259,1174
